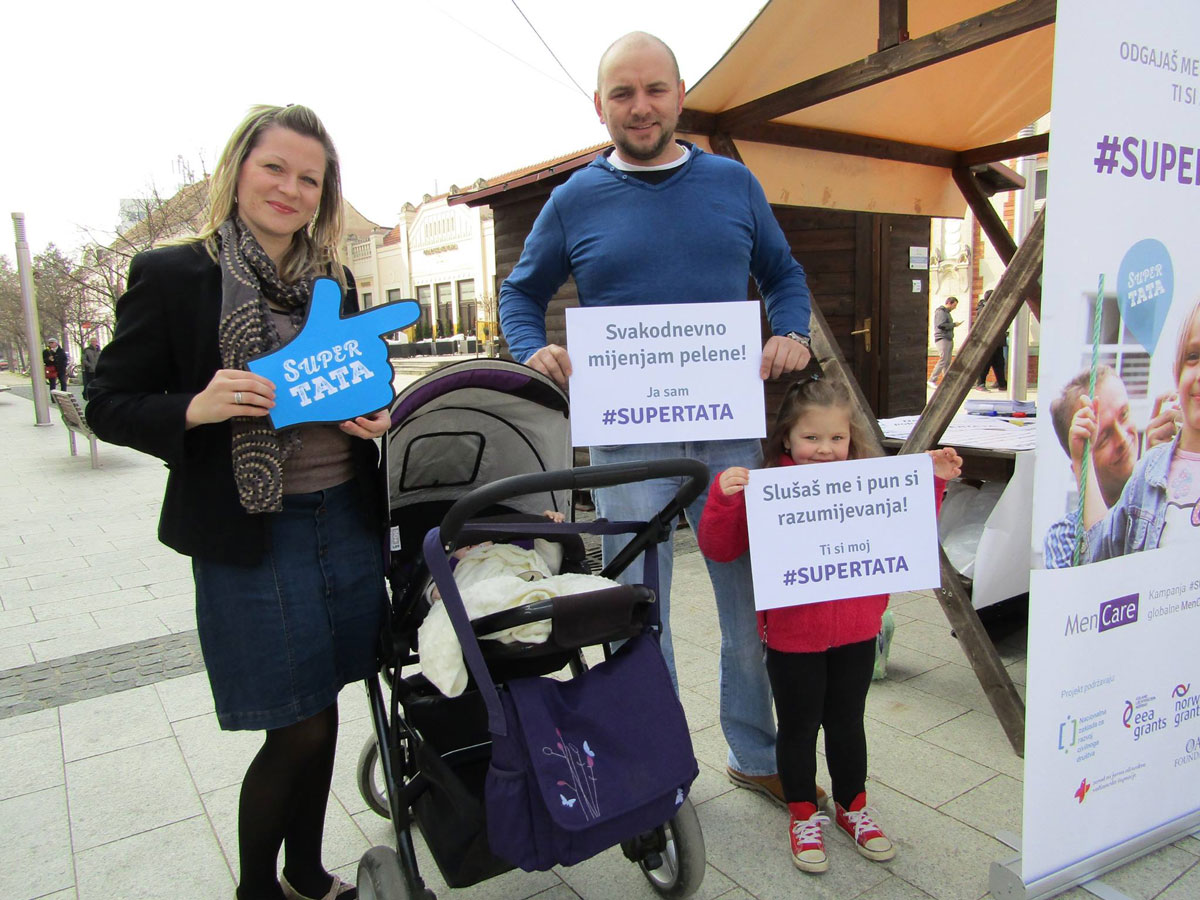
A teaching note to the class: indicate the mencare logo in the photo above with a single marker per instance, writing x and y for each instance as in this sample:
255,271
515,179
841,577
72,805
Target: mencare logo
1112,614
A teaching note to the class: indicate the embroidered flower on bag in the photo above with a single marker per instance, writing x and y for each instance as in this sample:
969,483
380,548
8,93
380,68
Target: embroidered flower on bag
581,777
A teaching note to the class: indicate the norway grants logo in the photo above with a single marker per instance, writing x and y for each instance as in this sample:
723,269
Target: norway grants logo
1186,707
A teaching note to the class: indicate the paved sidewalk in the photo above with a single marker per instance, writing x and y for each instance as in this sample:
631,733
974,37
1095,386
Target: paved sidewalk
115,781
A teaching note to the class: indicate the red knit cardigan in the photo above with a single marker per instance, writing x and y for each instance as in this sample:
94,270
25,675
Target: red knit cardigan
812,627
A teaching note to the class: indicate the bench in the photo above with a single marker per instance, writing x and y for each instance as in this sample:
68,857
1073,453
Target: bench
72,416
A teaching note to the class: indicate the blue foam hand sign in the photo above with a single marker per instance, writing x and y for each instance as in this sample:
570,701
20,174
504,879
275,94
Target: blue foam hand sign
335,368
1145,284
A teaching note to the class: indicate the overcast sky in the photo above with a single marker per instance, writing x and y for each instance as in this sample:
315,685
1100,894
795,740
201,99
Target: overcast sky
101,99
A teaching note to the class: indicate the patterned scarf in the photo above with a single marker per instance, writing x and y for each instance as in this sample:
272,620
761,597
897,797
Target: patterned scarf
249,281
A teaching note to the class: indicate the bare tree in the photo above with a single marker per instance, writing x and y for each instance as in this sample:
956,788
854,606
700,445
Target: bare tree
104,262
64,308
12,319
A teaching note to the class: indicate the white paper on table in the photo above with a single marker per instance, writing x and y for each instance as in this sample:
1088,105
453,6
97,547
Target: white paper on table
671,372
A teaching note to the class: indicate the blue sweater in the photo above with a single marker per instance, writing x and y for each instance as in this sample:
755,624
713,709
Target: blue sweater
696,237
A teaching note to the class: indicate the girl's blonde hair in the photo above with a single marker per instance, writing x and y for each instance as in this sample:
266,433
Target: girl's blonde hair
315,248
1184,331
805,395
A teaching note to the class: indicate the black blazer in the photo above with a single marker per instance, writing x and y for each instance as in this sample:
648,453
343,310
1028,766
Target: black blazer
163,353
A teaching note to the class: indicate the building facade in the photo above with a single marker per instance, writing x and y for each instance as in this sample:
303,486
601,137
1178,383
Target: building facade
443,257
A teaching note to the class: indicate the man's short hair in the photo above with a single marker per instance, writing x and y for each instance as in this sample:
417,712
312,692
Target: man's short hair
1064,406
950,300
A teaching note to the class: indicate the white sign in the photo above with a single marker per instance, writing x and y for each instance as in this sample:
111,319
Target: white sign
673,372
1117,717
1112,749
845,529
918,257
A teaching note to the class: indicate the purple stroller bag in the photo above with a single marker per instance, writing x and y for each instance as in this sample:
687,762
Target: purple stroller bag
579,766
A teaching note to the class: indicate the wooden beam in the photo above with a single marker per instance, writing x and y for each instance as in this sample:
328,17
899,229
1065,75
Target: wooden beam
1029,146
693,121
1022,274
893,23
847,143
1019,278
995,229
983,30
722,145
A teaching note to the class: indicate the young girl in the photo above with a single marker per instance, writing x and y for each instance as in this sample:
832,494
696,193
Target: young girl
1160,505
820,656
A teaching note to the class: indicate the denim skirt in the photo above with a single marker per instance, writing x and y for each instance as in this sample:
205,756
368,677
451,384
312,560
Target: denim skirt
282,637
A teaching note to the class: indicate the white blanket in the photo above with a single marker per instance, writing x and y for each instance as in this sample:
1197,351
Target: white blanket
441,656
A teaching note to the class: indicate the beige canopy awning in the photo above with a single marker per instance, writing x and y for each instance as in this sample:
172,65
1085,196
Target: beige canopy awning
826,117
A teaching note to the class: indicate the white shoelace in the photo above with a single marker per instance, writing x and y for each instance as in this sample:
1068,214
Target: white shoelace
862,821
808,831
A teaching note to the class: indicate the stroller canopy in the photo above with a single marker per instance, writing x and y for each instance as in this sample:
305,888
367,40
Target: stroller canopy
470,423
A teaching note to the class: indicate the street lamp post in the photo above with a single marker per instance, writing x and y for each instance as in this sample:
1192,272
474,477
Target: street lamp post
41,393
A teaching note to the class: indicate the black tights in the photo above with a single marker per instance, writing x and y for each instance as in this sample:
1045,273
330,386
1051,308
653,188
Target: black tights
814,690
283,801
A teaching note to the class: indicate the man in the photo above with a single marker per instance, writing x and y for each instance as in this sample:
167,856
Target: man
997,363
54,358
943,337
91,355
660,221
1114,451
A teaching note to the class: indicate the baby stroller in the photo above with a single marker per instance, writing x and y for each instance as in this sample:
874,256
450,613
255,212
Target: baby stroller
482,447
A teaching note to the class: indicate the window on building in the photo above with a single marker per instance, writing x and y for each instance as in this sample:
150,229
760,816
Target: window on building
425,300
466,306
366,299
445,309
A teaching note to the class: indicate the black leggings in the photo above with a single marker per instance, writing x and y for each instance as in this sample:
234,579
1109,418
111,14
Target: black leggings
283,801
814,690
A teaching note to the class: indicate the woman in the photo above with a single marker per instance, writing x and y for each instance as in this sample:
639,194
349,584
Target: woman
285,529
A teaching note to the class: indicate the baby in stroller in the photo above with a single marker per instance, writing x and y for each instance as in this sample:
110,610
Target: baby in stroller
492,577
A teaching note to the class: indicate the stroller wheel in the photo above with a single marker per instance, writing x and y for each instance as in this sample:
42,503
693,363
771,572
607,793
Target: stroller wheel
682,860
381,878
370,779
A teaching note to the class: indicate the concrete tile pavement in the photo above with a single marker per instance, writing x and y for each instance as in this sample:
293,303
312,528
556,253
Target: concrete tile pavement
131,790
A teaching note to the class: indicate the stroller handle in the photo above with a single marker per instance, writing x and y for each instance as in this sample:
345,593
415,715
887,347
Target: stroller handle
581,478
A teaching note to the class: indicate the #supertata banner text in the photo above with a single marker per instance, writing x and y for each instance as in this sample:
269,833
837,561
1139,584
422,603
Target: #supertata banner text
842,529
1111,742
675,372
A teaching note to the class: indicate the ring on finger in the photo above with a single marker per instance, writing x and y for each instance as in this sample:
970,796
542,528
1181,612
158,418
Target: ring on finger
237,398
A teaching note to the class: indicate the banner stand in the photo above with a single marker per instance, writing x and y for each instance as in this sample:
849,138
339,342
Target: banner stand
1005,882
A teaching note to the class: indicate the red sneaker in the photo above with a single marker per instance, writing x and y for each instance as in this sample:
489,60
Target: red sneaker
808,841
868,837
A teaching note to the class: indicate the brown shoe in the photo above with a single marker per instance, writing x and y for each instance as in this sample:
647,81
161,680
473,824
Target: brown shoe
768,785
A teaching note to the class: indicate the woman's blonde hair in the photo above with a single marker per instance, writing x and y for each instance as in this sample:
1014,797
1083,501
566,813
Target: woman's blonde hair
315,248
804,395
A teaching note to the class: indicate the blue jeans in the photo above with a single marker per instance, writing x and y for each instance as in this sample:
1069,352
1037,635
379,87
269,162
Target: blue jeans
746,714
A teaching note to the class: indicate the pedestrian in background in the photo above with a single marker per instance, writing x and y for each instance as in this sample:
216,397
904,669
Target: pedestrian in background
54,359
943,337
285,528
91,356
998,362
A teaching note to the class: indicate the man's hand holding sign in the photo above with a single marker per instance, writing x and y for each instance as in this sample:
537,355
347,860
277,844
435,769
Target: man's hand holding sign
334,370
